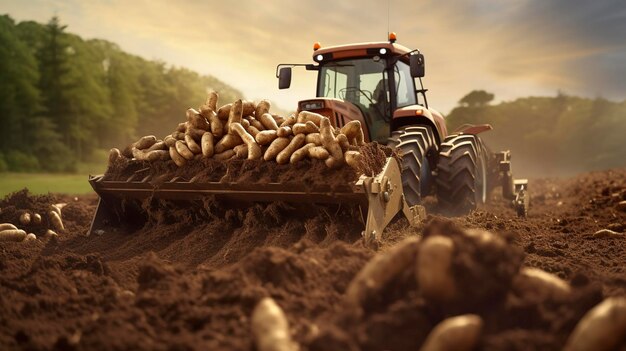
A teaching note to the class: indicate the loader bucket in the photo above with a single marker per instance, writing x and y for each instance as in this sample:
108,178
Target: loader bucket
380,197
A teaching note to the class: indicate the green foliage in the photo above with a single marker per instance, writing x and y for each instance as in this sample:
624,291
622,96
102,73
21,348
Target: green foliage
62,97
553,135
18,161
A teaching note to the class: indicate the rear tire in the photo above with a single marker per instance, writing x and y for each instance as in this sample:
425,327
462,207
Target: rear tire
418,149
462,174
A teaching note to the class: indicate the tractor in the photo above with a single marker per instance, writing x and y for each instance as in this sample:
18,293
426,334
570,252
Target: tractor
380,84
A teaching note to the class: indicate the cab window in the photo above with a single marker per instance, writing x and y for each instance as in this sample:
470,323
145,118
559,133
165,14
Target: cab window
405,88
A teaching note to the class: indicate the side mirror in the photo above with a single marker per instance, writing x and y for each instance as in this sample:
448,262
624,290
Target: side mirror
284,78
416,62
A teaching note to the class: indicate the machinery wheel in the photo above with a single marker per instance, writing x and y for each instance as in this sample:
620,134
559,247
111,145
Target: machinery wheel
462,173
418,149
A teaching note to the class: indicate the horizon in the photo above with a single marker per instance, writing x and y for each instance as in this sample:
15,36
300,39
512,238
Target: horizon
502,36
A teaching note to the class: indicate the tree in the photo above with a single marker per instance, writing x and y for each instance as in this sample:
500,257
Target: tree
476,98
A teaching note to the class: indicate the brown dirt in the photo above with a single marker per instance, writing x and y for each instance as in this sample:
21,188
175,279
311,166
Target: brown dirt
184,282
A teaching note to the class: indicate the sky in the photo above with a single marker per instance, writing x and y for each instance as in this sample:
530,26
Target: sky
512,48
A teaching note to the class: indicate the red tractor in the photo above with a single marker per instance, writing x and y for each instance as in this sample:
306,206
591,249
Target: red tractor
380,85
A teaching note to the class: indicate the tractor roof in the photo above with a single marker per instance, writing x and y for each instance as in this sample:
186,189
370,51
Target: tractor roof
360,50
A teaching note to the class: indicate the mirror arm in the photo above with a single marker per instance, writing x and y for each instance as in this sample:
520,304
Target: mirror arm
307,66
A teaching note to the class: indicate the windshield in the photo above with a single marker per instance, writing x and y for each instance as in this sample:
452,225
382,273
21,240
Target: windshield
364,83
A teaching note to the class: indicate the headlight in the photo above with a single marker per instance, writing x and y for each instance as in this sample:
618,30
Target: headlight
319,57
312,105
382,51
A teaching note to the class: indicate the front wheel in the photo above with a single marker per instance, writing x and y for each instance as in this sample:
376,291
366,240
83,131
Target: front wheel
462,173
417,147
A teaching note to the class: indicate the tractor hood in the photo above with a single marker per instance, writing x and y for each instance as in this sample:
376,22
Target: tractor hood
338,111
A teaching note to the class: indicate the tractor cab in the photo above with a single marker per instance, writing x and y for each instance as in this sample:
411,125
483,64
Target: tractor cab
374,83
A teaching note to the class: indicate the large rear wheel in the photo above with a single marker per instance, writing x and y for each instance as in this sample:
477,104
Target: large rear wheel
462,173
417,147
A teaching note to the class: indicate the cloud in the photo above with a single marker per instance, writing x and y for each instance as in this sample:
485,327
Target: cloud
512,48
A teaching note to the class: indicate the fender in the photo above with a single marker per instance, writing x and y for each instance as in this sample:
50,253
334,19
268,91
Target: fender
418,114
473,129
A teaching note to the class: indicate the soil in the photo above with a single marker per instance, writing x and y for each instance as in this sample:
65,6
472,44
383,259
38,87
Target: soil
184,282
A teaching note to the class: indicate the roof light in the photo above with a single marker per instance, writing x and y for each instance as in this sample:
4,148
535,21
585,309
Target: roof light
319,57
316,46
382,51
392,37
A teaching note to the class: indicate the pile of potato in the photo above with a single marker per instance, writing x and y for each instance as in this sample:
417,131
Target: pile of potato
246,130
431,261
10,232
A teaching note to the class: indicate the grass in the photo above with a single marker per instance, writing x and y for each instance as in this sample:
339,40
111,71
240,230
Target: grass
42,183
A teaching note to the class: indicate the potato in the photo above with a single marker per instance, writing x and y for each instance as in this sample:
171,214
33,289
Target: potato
540,284
262,108
159,145
169,141
254,150
30,237
380,271
255,123
279,119
37,218
51,233
314,138
270,327
207,145
241,151
25,218
329,141
607,233
229,141
178,135
192,145
7,226
354,159
301,153
602,329
268,121
253,131
181,127
245,123
275,148
265,137
196,120
284,132
12,235
305,116
343,142
291,120
295,143
235,115
150,156
145,142
176,157
195,133
57,207
183,150
114,154
299,128
211,101
55,219
224,111
216,125
225,155
434,269
248,107
354,132
318,153
460,333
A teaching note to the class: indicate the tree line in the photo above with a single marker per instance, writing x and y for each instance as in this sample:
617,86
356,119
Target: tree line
64,99
550,135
